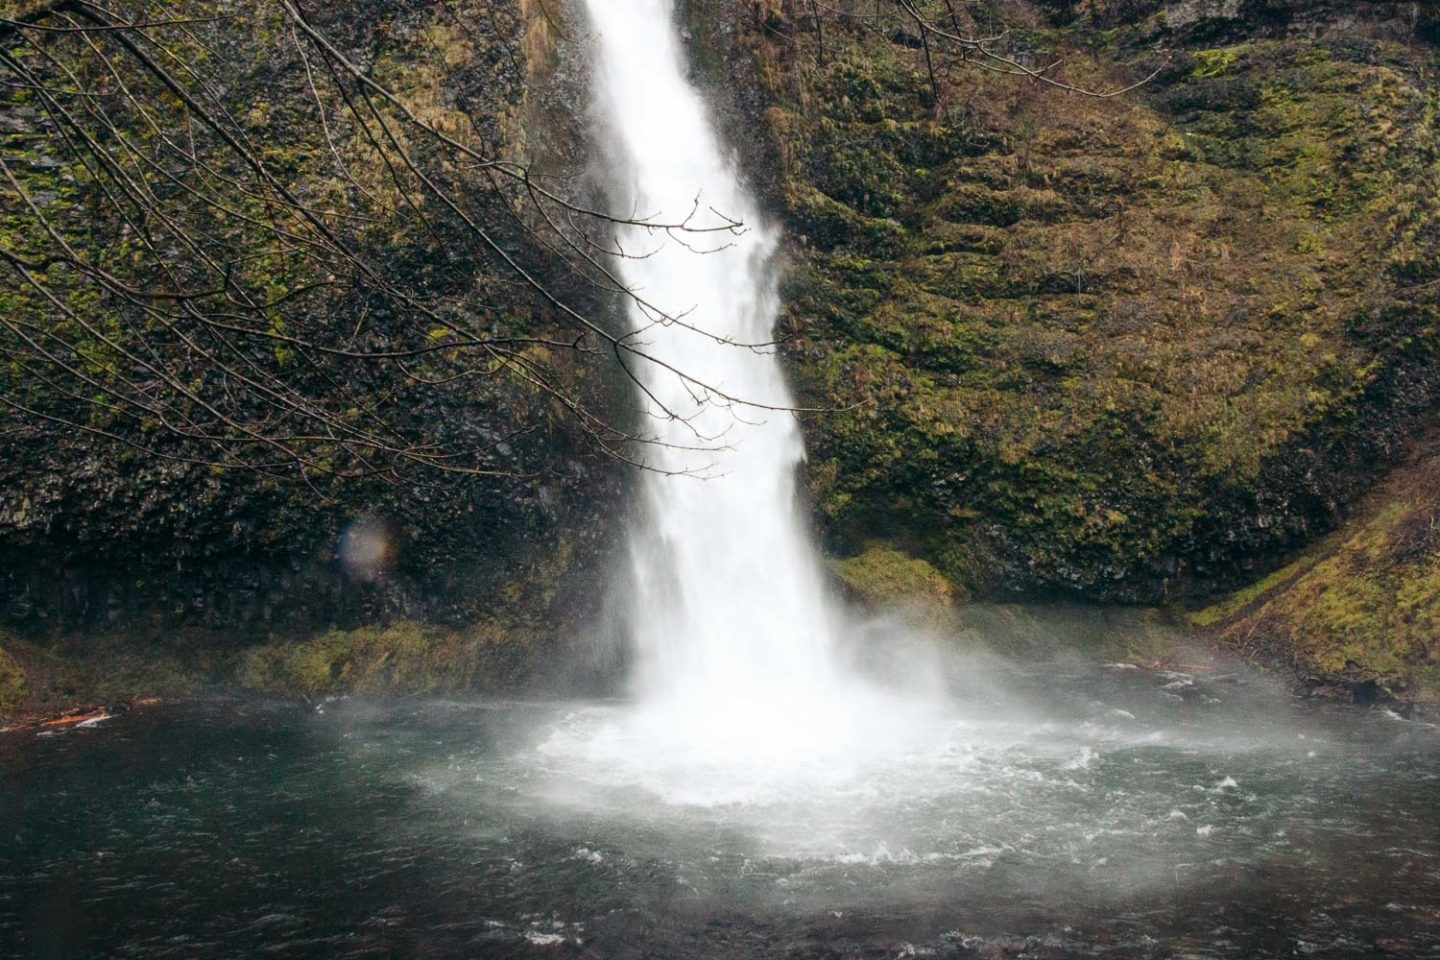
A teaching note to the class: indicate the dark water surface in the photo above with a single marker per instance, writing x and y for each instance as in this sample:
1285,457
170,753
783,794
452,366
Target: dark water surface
1135,813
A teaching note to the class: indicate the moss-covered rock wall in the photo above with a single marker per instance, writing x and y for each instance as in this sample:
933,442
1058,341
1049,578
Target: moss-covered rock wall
1360,608
14,689
99,537
1129,348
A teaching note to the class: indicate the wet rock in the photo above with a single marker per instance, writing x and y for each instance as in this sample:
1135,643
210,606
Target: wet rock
1365,691
14,690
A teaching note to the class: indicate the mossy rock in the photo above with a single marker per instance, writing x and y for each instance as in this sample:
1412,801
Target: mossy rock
399,658
886,578
102,536
1363,604
80,671
1122,349
14,690
1040,632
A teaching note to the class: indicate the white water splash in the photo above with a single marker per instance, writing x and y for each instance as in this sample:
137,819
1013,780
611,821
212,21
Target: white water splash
738,678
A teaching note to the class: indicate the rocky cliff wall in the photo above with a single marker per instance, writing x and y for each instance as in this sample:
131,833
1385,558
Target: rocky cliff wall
98,537
1130,348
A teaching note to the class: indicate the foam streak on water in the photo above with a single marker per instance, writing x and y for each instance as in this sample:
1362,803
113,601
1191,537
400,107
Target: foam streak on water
737,671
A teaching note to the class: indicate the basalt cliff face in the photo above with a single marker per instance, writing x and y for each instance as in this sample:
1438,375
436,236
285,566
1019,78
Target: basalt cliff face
1145,348
1139,348
160,570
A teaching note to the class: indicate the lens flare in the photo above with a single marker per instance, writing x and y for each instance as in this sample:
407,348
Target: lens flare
368,549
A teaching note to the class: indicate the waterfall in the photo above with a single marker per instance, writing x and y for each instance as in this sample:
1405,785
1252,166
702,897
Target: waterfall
737,662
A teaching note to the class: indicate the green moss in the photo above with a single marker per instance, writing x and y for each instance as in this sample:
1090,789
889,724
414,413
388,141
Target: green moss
109,669
118,670
1040,632
403,657
884,577
1213,63
1240,599
14,690
1366,602
1112,334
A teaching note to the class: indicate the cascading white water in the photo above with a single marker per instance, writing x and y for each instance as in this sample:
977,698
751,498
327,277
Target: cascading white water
735,638
730,602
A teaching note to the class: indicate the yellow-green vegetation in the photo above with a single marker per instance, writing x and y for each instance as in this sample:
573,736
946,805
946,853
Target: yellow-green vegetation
884,577
1365,603
1240,599
116,668
13,689
1212,63
401,658
84,671
1119,348
1038,631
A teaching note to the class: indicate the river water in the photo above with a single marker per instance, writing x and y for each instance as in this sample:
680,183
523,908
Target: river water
1060,811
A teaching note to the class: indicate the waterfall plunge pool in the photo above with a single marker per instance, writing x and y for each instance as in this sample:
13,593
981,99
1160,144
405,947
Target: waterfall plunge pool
1086,810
